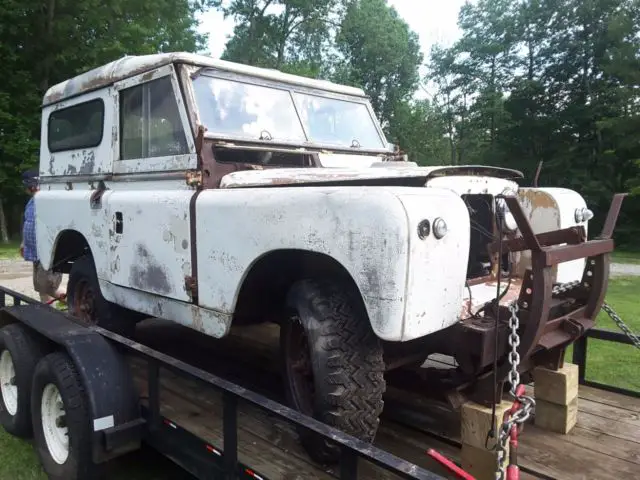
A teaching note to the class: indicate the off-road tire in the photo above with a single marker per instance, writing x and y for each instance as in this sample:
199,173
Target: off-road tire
105,314
58,369
346,360
26,350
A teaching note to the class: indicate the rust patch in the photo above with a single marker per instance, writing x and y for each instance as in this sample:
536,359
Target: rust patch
538,199
470,306
88,162
148,274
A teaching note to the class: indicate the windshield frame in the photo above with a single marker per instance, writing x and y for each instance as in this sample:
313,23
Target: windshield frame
291,89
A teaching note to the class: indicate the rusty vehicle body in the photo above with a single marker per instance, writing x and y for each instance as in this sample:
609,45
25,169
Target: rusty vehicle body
214,194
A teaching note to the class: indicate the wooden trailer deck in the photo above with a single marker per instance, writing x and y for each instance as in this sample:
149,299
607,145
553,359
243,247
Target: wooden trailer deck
605,444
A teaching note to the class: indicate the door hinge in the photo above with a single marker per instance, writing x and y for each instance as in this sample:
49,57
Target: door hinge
194,178
191,285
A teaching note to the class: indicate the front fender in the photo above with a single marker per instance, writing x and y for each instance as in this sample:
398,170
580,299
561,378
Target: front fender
370,231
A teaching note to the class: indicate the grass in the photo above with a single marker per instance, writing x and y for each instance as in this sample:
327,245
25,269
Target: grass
623,256
9,250
609,362
606,362
18,461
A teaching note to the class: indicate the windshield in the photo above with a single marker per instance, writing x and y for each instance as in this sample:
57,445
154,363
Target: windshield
232,108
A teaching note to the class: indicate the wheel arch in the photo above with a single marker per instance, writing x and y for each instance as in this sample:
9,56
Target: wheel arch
266,283
68,246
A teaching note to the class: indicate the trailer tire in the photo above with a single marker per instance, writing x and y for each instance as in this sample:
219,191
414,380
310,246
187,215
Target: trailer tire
88,305
20,352
345,359
58,395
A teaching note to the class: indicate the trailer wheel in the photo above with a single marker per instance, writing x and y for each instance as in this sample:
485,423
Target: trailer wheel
19,354
334,368
87,304
61,425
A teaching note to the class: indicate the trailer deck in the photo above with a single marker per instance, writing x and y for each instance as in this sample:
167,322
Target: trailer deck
605,444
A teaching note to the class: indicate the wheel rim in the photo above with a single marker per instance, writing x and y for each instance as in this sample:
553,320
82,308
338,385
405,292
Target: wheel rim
298,368
8,383
84,303
54,424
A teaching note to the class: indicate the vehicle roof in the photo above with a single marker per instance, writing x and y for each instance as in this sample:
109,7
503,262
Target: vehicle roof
129,66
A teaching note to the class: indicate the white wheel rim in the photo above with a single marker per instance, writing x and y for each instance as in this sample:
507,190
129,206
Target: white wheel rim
8,383
54,426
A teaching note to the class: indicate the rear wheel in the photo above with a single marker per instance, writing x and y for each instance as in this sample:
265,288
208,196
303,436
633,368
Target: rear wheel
87,304
61,424
333,365
20,351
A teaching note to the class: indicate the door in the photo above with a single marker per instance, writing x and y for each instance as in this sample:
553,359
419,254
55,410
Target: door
150,236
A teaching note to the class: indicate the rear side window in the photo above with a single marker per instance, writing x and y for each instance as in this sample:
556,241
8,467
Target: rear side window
79,126
150,122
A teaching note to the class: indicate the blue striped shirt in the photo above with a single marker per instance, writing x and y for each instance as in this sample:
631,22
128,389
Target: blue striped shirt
29,232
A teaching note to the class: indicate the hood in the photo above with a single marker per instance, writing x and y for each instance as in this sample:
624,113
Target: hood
383,173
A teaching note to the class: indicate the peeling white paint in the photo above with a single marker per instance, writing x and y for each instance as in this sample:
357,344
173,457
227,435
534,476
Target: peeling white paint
551,209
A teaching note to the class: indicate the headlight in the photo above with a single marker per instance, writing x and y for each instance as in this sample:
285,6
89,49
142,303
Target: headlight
439,228
510,222
583,215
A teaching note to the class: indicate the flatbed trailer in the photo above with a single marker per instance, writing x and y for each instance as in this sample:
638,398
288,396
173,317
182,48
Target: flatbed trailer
225,419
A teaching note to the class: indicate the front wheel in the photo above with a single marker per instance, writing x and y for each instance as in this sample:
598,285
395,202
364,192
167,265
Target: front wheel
333,365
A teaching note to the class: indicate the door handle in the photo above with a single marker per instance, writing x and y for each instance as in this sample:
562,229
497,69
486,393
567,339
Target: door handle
119,222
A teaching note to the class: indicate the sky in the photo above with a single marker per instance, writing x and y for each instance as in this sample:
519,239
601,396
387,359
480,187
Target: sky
435,21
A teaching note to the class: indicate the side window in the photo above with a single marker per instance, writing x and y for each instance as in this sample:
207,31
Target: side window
79,126
150,123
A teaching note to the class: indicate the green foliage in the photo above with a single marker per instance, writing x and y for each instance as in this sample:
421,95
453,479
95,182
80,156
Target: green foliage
43,43
553,81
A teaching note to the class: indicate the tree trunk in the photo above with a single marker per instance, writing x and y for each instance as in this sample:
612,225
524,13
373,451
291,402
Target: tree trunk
47,62
4,231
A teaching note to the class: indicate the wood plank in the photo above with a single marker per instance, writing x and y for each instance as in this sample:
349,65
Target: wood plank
613,428
205,421
272,432
603,443
611,412
618,400
550,454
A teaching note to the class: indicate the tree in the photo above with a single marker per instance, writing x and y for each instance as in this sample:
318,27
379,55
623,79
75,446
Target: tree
43,43
290,35
380,54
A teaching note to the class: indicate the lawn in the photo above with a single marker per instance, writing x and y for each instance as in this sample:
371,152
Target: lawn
606,362
623,256
609,362
9,250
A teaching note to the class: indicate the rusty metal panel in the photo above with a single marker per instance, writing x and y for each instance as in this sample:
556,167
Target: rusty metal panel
551,209
437,267
129,66
58,210
366,230
210,322
152,253
85,161
480,184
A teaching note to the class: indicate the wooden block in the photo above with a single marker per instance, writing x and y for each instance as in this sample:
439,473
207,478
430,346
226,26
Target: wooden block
559,387
481,463
476,423
556,418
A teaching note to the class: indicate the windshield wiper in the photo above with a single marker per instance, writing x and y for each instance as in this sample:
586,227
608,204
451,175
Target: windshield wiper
355,143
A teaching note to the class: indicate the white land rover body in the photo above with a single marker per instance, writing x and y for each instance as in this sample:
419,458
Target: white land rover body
210,193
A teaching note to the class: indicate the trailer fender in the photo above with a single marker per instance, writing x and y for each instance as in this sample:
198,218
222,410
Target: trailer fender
116,422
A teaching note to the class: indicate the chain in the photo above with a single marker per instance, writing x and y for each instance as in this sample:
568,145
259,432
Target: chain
618,321
564,287
526,403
